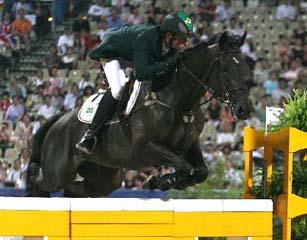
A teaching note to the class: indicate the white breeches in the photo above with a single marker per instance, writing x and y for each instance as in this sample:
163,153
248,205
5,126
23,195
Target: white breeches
116,78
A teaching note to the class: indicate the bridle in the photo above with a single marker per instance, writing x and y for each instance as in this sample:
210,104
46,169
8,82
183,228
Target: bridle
230,96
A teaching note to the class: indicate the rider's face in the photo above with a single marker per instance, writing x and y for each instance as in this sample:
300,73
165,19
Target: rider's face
175,42
179,43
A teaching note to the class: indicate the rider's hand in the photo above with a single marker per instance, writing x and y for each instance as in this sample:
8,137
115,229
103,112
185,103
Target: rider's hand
180,56
174,60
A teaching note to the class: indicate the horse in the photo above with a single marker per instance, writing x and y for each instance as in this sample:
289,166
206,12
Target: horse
163,128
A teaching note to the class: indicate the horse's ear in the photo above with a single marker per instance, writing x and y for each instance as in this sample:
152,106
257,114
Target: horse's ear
223,39
242,39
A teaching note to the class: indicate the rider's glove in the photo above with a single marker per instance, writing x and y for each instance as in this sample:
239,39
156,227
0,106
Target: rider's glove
174,60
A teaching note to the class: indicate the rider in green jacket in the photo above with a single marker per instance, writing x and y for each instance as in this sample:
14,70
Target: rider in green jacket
146,46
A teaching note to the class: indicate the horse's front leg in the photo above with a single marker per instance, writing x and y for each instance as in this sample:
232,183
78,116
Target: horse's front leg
161,154
195,158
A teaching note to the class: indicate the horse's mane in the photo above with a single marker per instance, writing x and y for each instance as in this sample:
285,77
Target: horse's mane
232,41
201,45
197,47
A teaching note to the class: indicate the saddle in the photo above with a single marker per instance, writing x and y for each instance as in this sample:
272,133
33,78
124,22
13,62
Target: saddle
124,107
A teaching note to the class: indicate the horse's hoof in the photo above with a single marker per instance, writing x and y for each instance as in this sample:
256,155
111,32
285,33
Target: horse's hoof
167,182
186,170
150,183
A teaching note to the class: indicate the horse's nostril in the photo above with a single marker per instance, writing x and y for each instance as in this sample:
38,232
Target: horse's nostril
241,110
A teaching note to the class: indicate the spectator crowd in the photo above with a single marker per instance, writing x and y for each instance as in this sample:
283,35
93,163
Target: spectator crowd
65,77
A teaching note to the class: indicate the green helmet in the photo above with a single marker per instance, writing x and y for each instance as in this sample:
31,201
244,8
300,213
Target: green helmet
178,23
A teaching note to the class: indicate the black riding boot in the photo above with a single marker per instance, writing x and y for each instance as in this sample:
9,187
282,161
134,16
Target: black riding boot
105,111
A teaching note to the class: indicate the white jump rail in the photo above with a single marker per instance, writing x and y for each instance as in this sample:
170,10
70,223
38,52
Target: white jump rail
131,218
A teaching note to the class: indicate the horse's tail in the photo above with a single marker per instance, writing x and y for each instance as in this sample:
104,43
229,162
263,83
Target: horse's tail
38,139
35,156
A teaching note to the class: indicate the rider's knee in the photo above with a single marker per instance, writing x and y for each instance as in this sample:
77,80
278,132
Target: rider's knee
115,93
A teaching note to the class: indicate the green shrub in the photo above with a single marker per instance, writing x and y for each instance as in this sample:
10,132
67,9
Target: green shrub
295,113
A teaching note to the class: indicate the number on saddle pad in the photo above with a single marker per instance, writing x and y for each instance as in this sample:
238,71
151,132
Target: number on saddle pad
89,107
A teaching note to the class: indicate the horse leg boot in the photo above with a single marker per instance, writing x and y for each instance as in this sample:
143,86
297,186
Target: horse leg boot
105,111
107,106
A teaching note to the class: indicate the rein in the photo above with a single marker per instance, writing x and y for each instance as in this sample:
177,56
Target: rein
200,82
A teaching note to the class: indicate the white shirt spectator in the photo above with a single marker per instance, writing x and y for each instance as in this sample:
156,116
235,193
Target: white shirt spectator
291,74
223,138
246,49
14,175
14,112
84,84
233,177
70,101
118,3
17,6
36,126
46,111
253,122
96,10
223,13
64,42
235,31
69,59
303,4
38,82
278,93
285,12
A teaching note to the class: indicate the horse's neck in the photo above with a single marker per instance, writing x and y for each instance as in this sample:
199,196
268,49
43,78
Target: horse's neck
188,89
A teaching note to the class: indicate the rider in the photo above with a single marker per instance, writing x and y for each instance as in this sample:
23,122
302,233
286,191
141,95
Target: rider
147,47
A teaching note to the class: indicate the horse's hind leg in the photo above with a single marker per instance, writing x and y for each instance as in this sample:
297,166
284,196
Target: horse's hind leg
75,190
33,189
98,180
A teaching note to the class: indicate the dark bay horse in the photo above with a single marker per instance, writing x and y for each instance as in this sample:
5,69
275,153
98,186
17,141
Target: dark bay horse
164,129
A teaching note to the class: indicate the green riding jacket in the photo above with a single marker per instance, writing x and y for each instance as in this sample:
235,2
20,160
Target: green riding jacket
140,44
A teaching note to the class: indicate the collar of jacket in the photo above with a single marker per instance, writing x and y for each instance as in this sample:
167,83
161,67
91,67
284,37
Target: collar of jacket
159,41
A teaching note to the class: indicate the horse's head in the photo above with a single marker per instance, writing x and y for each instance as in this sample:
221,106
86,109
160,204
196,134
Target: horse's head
232,74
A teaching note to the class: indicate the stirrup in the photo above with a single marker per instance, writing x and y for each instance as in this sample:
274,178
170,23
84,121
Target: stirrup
84,149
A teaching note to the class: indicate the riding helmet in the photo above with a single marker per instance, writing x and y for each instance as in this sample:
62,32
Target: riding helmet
178,23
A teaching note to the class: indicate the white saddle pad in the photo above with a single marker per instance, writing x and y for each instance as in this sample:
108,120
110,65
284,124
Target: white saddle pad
89,107
133,97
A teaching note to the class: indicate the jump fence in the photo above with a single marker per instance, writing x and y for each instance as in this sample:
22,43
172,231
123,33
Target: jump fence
135,219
